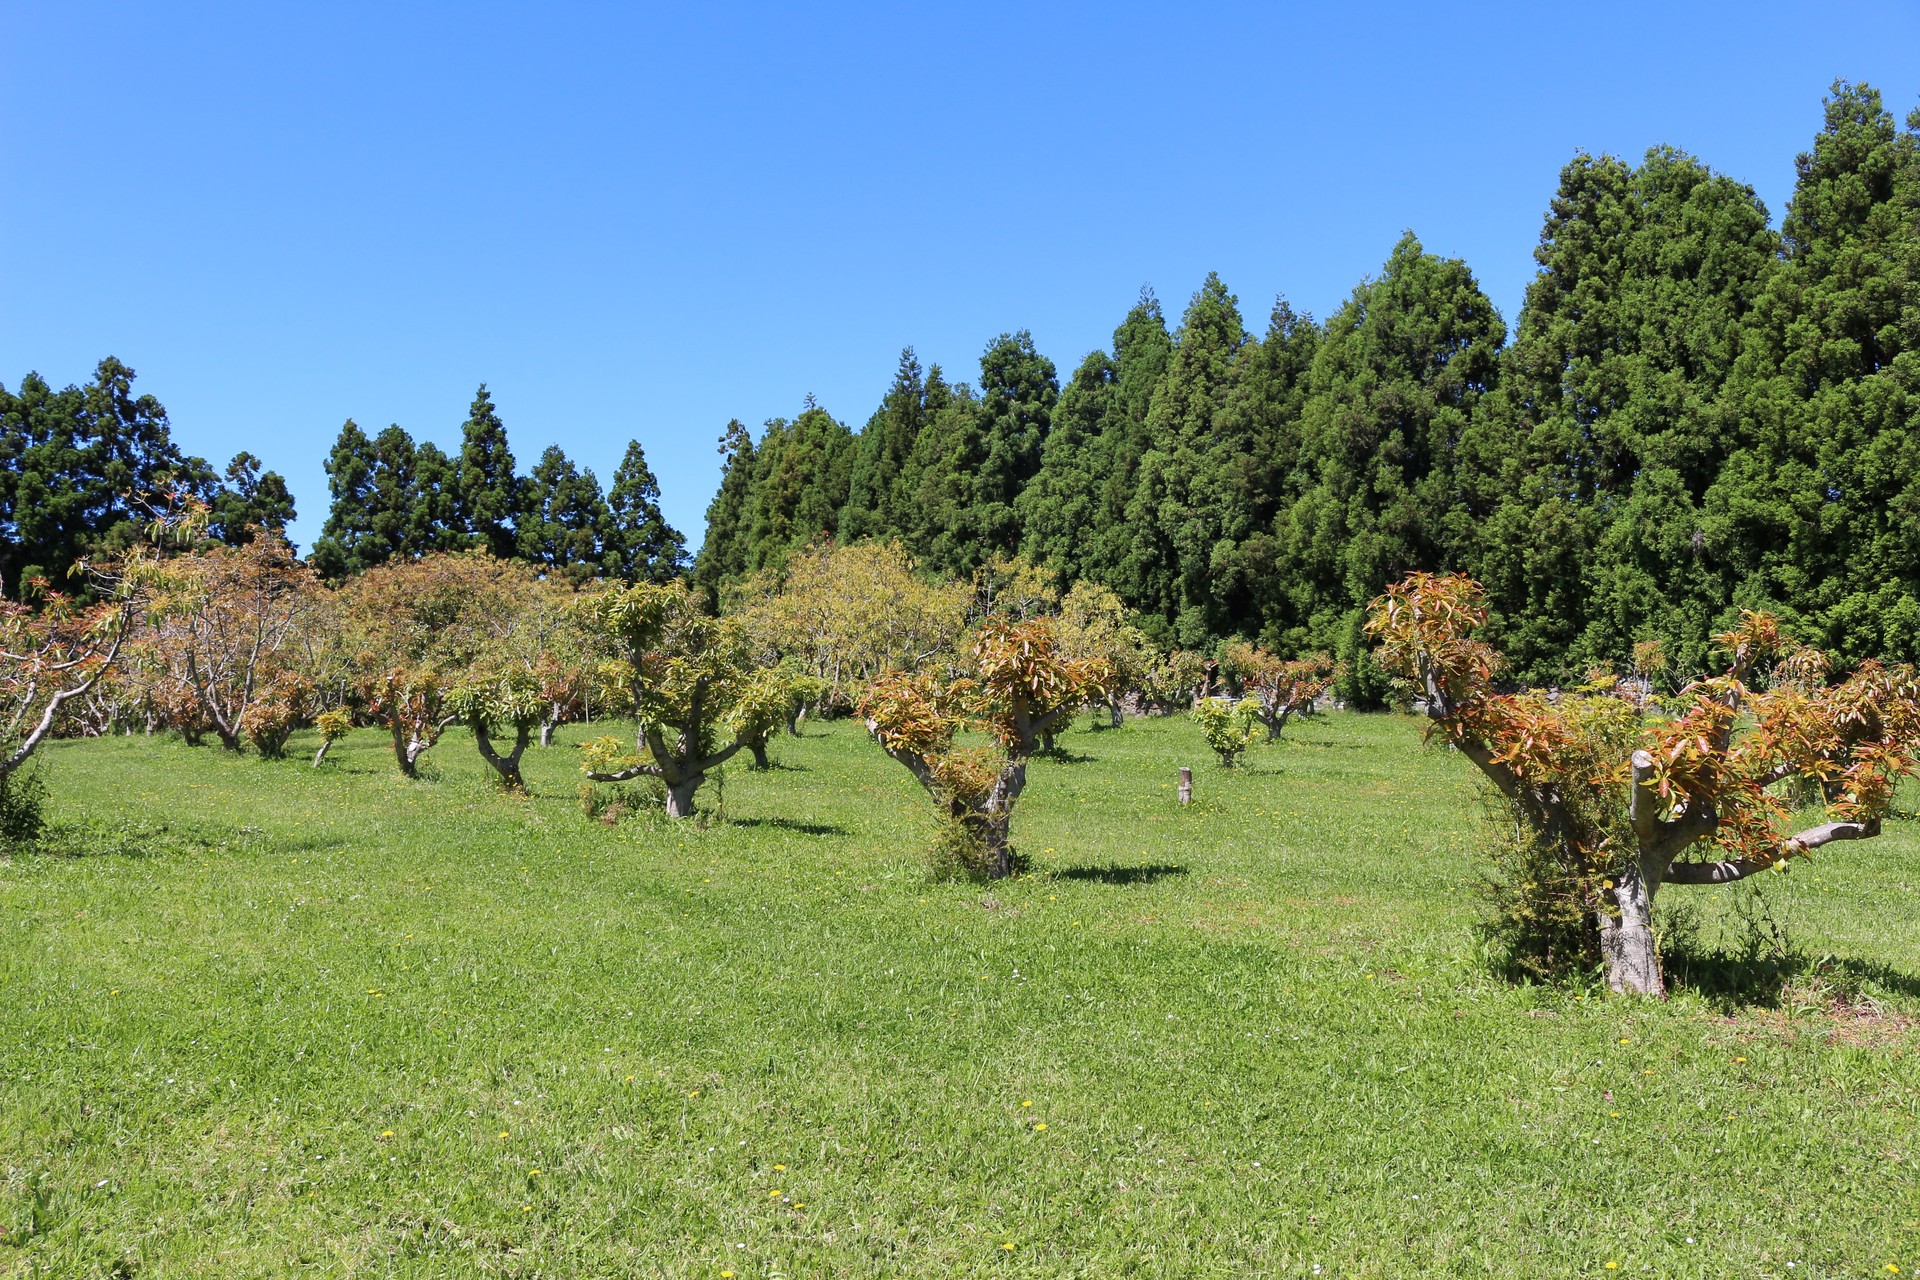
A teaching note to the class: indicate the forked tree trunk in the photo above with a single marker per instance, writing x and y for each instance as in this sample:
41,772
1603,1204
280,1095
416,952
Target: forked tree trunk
508,765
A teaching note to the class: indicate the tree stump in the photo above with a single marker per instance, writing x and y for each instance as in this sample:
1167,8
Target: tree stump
1186,785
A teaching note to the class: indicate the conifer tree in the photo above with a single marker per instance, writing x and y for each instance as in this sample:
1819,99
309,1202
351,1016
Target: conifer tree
1142,348
1823,510
1058,508
345,545
874,505
1388,419
563,525
1018,389
641,546
1166,566
723,552
801,476
249,501
487,491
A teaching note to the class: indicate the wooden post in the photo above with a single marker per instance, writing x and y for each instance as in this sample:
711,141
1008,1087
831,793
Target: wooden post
1186,785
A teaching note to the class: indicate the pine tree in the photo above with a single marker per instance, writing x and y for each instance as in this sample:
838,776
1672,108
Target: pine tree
1606,432
341,549
641,545
801,476
487,489
1247,474
1142,348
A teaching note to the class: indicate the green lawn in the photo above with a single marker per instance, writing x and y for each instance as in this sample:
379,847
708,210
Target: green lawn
267,1020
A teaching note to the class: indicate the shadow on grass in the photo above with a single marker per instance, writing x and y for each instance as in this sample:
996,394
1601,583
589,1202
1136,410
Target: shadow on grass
788,824
99,839
1772,981
780,766
1122,875
1060,755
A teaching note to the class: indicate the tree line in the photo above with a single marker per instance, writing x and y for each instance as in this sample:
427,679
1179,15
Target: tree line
1696,414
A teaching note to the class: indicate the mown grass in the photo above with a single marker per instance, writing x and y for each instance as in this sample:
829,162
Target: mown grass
263,1020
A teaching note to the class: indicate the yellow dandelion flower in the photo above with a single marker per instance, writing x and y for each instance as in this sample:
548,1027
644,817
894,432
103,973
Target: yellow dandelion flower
801,1205
503,1133
533,1171
779,1168
1739,1059
726,1275
526,1208
774,1194
1612,1266
1027,1103
386,1133
1039,1127
629,1079
1008,1246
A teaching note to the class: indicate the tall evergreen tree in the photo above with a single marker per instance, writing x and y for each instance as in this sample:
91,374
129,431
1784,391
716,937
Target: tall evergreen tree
487,491
250,498
1822,511
802,473
723,552
1247,473
563,523
641,545
344,545
1142,348
1607,426
1165,570
1059,508
875,508
1018,390
75,464
1385,428
944,531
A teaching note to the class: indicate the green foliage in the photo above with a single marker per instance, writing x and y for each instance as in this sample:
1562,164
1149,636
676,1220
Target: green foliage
640,546
1229,727
23,803
486,490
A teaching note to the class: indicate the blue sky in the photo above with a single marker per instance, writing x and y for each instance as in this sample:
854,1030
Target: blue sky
638,221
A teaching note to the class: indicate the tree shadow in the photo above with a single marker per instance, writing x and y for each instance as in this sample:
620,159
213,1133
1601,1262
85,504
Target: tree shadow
789,824
1769,981
1115,874
1061,755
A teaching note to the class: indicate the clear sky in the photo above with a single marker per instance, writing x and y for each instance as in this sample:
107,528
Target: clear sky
641,221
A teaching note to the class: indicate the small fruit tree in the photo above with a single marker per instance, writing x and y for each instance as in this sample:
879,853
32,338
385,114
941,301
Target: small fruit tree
1615,796
682,674
1016,688
1093,625
1280,689
1228,726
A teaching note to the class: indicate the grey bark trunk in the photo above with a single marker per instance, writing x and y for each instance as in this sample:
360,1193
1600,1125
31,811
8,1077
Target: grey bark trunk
546,732
680,796
759,748
326,745
1627,947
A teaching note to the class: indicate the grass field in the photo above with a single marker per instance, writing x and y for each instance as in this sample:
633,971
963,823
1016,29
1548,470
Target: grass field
262,1020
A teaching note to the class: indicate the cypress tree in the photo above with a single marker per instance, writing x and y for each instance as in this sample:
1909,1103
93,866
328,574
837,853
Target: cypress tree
342,546
875,508
1058,508
1018,390
1165,571
563,526
487,491
641,545
723,552
1823,509
1142,348
1386,425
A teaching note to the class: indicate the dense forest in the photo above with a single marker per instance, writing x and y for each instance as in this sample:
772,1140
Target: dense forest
1696,412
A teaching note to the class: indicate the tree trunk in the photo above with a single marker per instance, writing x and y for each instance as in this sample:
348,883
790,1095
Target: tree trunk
508,765
1627,947
997,818
759,748
546,731
1114,708
680,795
326,745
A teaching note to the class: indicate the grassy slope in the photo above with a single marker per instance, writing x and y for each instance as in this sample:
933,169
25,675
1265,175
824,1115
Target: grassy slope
334,1022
